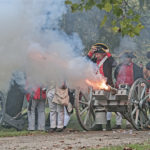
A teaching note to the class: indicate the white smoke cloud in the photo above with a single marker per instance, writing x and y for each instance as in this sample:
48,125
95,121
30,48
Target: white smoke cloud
32,41
127,43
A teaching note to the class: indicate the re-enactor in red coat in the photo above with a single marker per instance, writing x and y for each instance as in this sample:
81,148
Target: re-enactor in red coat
100,54
36,100
126,73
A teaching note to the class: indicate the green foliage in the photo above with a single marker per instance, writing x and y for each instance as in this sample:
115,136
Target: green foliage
117,11
89,4
67,2
107,7
103,21
74,7
125,20
115,29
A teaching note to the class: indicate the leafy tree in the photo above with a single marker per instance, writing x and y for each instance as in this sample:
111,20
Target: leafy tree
86,24
126,16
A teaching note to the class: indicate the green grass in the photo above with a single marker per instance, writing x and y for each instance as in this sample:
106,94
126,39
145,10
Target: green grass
73,124
143,146
9,132
76,126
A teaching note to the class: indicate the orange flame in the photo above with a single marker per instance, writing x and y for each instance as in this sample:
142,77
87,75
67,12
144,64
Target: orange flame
98,85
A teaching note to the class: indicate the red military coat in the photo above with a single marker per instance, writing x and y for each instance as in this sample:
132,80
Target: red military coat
38,94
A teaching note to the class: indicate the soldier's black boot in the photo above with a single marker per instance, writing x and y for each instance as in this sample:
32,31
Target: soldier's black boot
108,125
117,127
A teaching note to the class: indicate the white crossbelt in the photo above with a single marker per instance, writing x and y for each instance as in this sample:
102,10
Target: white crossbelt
101,63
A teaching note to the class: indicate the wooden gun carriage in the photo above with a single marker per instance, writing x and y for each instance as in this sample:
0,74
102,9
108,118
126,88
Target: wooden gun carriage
132,102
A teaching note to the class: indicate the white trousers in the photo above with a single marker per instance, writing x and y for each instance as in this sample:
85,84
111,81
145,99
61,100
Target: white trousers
40,105
56,112
108,115
66,117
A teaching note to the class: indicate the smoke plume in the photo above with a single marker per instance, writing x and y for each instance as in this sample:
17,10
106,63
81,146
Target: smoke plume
32,42
127,44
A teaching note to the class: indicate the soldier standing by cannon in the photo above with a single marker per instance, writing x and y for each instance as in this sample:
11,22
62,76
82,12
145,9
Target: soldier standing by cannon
100,54
57,98
36,99
126,73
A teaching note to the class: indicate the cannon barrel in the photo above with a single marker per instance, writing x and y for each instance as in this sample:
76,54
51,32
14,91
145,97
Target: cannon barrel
112,90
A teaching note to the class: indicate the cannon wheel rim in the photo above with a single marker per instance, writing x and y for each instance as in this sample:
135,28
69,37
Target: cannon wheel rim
136,113
88,108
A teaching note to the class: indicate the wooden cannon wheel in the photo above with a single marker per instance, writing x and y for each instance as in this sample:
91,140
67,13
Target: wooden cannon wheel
84,109
139,105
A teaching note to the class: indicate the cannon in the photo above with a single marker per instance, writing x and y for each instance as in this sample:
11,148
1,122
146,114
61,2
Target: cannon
11,103
132,102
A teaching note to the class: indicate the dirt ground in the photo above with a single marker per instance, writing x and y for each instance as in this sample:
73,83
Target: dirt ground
74,140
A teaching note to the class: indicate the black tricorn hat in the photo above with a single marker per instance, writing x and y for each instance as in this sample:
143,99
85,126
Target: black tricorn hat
101,48
128,55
